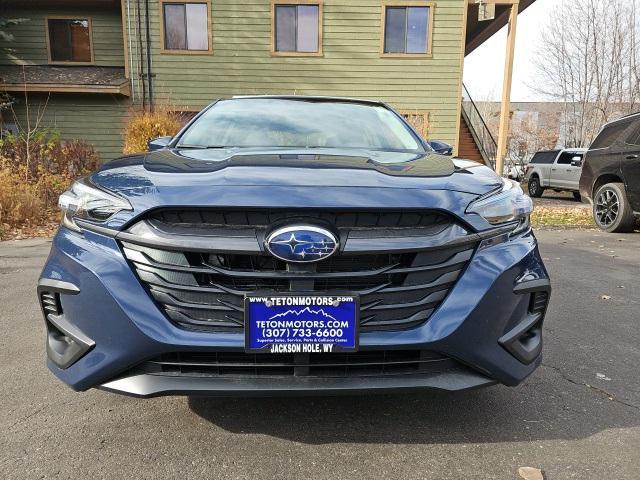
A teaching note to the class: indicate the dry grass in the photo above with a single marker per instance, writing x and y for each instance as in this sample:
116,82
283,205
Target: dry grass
561,216
144,126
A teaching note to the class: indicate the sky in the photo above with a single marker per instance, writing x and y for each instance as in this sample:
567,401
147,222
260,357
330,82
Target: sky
484,68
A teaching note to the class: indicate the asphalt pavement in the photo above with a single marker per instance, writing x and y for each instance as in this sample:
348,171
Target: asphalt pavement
577,416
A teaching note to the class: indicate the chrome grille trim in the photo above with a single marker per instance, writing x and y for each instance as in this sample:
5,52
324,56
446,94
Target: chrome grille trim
205,289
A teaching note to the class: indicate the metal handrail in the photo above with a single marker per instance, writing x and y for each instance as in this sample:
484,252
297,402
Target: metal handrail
479,129
483,136
475,107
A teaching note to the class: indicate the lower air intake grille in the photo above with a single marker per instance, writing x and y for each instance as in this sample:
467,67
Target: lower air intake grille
366,363
50,303
539,302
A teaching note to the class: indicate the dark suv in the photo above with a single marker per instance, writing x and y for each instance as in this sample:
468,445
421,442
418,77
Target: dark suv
610,177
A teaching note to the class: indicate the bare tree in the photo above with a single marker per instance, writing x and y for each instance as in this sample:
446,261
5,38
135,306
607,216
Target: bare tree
533,132
29,129
588,59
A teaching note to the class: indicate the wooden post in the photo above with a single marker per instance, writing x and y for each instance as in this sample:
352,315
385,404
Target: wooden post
463,44
503,132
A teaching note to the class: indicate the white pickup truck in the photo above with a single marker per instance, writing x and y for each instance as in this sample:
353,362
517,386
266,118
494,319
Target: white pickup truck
556,169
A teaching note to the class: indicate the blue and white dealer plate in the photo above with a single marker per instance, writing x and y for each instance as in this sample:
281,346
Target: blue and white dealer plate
291,323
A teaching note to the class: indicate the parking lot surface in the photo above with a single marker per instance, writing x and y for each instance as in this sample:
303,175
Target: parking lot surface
577,416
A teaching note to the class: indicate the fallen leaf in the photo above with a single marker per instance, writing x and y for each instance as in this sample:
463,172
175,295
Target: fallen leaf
530,473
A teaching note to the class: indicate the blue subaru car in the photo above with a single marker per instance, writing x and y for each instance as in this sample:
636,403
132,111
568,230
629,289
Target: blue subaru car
293,245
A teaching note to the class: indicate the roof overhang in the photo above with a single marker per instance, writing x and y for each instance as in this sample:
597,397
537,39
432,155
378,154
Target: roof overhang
124,89
64,79
479,32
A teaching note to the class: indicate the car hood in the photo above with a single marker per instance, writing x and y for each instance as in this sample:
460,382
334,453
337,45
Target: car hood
328,168
327,177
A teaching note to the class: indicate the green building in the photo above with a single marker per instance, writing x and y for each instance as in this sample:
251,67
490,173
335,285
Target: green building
82,66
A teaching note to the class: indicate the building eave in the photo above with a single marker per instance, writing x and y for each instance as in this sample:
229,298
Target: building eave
477,36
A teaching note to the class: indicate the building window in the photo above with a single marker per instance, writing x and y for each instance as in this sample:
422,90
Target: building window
297,28
69,40
407,28
186,27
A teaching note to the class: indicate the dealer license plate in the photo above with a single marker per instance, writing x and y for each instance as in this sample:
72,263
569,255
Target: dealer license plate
285,323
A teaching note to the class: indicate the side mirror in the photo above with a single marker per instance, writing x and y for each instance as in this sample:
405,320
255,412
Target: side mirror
441,147
576,161
159,143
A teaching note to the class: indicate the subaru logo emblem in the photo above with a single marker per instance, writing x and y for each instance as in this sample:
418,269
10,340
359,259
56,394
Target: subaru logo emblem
301,244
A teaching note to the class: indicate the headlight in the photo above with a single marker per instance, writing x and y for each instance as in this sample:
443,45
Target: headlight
509,204
87,202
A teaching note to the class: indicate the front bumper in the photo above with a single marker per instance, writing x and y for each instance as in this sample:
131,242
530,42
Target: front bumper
146,385
484,325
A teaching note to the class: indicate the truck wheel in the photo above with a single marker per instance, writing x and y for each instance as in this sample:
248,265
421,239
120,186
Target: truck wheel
611,210
535,189
577,197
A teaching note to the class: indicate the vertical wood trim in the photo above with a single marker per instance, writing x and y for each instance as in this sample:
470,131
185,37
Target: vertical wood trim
125,37
463,42
503,132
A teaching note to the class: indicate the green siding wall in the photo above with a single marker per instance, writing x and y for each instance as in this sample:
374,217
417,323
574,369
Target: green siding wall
351,65
96,119
30,44
241,63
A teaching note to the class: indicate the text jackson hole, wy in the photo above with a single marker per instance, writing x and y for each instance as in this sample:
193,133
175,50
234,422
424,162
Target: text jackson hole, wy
300,348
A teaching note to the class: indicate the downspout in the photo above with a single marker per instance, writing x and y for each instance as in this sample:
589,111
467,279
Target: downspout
130,55
141,56
148,35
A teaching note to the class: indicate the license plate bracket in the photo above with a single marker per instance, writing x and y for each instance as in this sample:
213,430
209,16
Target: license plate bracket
301,323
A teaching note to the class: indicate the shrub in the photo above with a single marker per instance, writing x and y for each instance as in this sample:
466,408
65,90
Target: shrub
144,126
19,202
35,169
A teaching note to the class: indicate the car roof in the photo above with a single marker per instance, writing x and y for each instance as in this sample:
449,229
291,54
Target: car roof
312,98
630,115
561,150
626,118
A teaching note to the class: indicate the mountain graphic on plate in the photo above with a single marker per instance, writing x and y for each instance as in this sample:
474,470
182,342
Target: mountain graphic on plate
307,311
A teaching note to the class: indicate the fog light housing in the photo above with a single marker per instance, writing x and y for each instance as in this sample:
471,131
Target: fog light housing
66,344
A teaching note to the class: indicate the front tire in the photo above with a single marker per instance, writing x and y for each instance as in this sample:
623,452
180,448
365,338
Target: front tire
611,210
535,189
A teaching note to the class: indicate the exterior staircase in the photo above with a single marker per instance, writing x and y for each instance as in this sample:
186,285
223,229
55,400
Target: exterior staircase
476,141
467,146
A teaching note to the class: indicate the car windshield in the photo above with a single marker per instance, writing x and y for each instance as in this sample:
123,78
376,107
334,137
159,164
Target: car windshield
291,123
